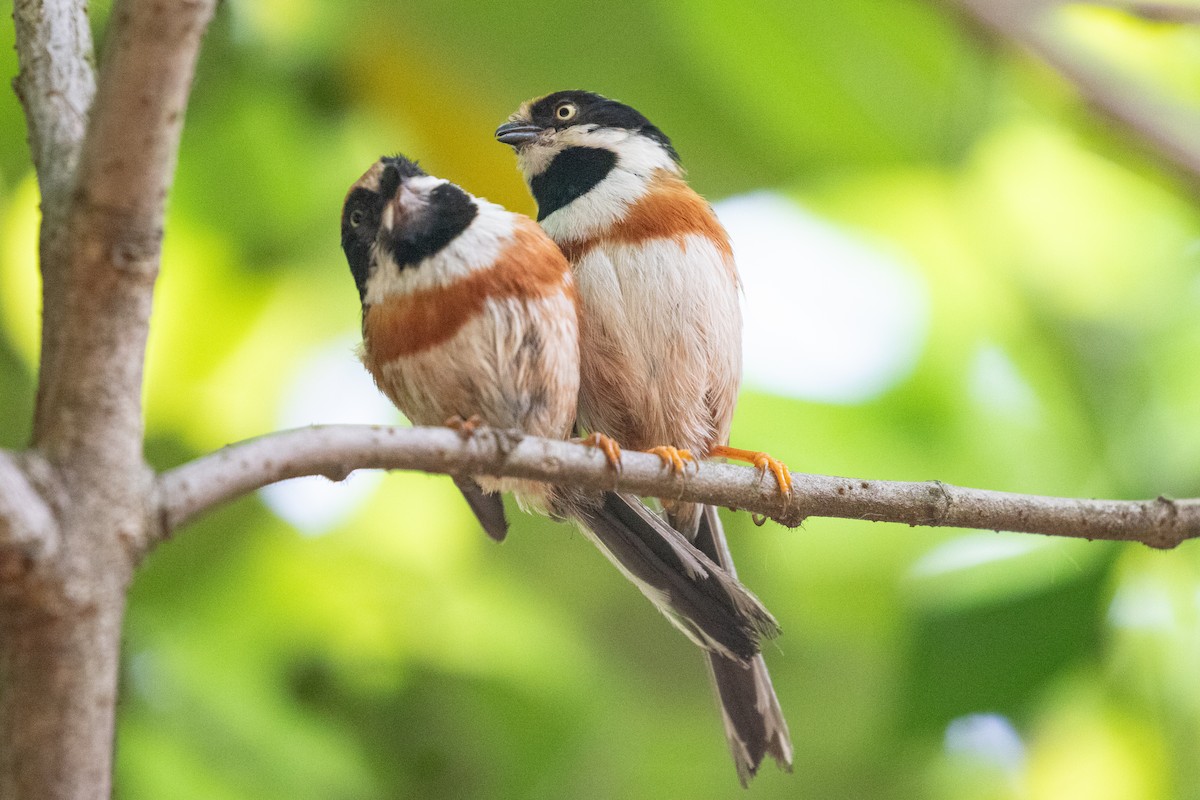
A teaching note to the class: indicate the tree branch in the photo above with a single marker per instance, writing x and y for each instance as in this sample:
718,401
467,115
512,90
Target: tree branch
1168,128
56,84
27,525
89,403
103,195
1173,13
334,451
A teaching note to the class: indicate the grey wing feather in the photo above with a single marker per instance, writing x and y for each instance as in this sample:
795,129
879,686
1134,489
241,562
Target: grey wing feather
700,598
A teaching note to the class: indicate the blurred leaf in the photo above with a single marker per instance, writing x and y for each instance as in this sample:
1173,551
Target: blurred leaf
852,83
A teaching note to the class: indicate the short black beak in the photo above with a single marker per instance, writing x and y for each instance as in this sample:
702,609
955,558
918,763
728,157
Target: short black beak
516,133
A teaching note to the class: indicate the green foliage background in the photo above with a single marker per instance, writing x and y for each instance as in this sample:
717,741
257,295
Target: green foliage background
404,655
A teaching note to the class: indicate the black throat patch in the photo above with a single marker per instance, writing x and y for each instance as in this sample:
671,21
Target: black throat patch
449,213
573,173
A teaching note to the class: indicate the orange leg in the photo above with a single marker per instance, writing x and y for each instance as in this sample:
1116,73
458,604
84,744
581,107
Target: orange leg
606,445
674,458
763,461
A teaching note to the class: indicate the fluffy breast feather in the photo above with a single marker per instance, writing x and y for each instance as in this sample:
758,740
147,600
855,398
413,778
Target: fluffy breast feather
660,342
670,209
515,365
660,337
406,323
500,343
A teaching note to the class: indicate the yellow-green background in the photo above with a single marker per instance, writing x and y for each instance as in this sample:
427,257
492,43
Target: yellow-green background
402,654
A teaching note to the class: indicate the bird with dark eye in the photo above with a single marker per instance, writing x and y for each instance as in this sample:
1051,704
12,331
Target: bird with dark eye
485,326
360,223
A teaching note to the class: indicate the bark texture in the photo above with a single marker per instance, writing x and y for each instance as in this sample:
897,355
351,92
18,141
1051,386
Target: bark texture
336,450
104,147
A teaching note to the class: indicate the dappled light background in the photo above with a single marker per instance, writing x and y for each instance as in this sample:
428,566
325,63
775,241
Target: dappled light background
952,269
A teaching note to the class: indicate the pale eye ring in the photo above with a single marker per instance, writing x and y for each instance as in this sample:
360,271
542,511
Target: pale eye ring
356,217
564,112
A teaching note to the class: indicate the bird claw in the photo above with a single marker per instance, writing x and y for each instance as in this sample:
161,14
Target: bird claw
673,458
762,461
466,427
606,445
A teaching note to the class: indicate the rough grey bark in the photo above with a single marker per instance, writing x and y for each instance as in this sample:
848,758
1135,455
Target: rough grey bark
56,83
104,149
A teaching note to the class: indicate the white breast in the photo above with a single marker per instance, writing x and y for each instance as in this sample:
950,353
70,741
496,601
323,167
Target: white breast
516,366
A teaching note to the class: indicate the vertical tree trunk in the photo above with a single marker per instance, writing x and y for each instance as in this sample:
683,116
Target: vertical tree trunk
61,611
104,148
58,667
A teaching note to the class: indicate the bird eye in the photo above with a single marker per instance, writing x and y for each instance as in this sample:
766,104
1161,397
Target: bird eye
356,218
565,111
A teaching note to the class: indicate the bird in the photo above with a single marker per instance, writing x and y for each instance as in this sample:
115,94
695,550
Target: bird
660,332
470,317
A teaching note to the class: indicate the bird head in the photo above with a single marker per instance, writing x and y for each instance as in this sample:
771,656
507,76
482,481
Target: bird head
568,142
396,215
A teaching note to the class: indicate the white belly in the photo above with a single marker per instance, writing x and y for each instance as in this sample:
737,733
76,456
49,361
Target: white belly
660,343
515,366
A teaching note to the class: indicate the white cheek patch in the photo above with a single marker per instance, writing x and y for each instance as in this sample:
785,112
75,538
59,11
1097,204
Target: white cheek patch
597,210
476,248
636,154
421,185
535,157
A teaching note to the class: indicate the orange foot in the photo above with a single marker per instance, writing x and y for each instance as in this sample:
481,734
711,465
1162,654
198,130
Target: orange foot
764,462
465,427
675,459
606,445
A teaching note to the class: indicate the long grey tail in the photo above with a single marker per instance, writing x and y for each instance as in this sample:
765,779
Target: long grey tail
487,506
754,723
696,595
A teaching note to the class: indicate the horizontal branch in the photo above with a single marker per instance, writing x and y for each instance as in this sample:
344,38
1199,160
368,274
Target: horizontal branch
336,450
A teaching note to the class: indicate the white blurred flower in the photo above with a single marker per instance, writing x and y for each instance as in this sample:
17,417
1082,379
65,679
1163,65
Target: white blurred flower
330,387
